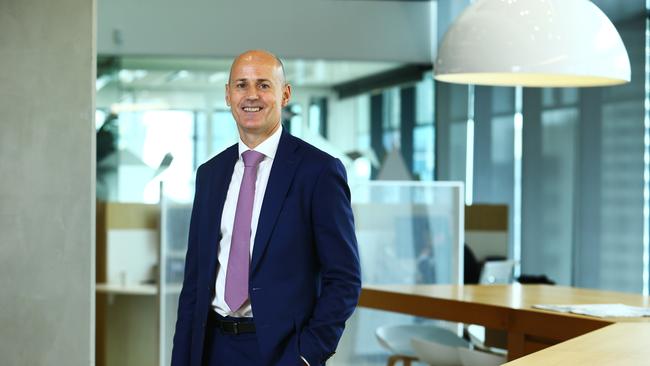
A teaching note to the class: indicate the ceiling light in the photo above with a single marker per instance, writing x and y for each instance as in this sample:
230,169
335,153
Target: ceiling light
218,76
535,43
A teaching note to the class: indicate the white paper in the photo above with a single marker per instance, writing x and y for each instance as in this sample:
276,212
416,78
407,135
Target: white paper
599,310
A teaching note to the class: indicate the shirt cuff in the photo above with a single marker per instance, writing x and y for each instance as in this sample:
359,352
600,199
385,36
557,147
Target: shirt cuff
305,361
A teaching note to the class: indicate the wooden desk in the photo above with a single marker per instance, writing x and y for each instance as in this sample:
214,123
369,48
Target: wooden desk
620,344
503,307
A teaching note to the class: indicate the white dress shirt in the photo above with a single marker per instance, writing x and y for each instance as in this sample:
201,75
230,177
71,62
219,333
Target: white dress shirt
268,147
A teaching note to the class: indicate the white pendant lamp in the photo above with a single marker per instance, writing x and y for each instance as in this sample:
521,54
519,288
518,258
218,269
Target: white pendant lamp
534,43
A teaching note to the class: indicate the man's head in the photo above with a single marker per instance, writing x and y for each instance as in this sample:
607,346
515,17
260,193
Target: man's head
256,93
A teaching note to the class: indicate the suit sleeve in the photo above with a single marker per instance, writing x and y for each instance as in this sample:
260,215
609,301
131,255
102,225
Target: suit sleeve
187,299
336,247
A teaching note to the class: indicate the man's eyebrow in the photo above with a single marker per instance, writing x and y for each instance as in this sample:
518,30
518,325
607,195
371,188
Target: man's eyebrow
254,80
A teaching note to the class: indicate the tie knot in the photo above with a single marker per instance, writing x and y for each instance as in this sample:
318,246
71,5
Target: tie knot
252,158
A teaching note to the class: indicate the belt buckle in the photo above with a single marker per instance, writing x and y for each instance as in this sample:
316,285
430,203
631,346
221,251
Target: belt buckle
229,327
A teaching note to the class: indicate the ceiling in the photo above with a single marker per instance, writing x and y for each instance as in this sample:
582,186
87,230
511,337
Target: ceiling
196,73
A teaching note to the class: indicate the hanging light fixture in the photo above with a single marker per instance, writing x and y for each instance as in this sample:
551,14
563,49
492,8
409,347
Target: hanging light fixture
534,43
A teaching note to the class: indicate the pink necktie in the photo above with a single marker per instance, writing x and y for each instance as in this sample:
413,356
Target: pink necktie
239,257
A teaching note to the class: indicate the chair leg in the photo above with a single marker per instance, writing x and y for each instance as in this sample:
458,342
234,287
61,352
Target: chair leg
392,360
406,360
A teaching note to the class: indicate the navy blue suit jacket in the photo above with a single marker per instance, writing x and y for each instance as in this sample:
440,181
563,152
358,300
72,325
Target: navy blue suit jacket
305,277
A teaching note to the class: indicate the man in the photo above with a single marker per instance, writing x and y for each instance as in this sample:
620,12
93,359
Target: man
272,268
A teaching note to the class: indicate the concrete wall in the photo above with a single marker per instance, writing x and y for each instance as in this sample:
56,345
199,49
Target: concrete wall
327,29
47,66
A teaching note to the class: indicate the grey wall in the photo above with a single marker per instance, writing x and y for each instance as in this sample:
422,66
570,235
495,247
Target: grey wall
327,29
47,66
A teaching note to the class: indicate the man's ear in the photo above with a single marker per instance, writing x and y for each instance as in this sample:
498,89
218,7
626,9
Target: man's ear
227,95
286,95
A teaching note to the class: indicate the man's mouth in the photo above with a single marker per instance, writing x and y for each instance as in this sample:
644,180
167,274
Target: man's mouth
252,109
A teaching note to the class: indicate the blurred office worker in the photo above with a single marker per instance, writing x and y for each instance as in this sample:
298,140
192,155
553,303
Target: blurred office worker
272,269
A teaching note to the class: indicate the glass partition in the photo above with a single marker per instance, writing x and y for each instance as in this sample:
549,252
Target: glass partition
408,233
174,230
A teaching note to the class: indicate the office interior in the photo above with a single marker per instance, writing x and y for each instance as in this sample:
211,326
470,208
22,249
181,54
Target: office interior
110,107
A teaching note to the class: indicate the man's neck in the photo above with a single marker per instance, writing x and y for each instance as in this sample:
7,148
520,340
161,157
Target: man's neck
252,140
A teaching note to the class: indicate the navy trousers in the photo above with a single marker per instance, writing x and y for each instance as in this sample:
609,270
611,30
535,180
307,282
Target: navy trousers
230,349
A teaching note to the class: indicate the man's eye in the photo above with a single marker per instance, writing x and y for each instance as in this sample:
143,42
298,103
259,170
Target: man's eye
240,85
265,86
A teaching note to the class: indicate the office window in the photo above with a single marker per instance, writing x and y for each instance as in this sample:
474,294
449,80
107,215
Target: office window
152,146
621,210
424,130
391,121
548,232
451,126
423,152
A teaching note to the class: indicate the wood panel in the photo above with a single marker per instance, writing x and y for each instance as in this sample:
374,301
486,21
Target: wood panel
486,218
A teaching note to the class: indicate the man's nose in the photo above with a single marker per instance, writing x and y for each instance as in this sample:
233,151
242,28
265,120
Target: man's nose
251,93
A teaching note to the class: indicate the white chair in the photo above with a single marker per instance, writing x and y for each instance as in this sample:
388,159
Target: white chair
396,339
493,273
472,357
497,272
442,350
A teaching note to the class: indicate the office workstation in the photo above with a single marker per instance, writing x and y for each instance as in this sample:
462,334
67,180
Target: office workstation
473,199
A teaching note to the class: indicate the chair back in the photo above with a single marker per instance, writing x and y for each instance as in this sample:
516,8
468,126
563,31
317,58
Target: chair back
497,272
441,352
397,338
471,357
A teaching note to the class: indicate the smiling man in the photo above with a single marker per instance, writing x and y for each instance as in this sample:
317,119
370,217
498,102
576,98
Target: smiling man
272,267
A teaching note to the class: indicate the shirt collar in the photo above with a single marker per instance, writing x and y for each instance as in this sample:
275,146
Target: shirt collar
268,147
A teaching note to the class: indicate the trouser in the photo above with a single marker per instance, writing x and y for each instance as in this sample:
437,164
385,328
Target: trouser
223,348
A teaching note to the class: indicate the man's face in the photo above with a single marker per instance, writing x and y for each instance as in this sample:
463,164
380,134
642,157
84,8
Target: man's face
256,93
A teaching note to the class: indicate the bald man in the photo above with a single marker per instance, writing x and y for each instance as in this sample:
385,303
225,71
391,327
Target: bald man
272,267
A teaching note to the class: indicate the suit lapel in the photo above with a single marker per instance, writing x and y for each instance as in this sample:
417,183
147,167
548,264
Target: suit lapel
220,177
282,173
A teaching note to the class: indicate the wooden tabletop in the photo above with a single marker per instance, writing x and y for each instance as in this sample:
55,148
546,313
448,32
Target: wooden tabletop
410,298
620,344
504,307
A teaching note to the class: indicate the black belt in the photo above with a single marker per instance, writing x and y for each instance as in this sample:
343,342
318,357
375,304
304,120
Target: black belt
229,325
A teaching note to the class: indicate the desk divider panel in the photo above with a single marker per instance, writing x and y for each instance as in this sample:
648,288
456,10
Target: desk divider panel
408,233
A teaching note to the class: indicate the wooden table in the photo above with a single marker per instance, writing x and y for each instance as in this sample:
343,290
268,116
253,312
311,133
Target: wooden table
503,307
619,344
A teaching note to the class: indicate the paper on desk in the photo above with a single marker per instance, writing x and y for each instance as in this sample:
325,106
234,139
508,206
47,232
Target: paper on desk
599,310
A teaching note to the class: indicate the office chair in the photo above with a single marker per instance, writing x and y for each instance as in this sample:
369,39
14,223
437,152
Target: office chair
442,350
473,357
396,339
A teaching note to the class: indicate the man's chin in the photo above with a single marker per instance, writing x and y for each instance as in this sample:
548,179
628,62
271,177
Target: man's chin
255,125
